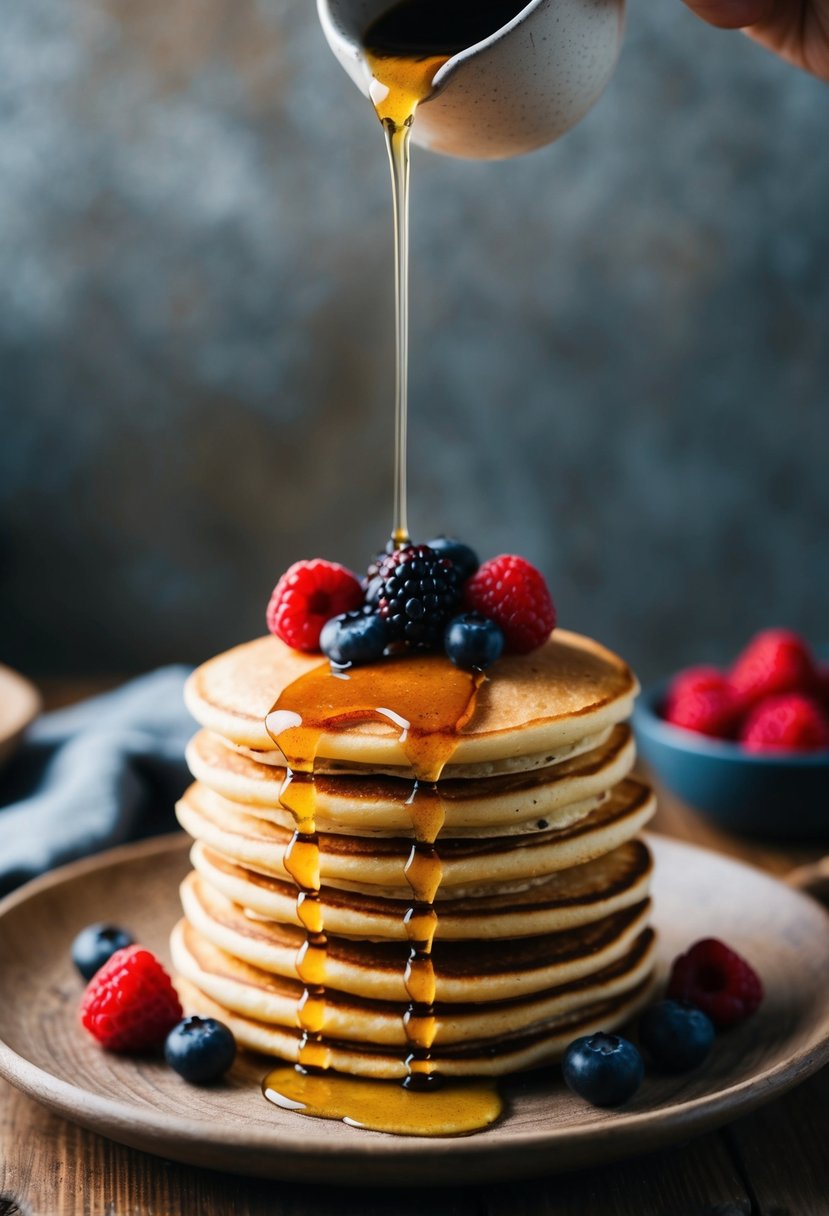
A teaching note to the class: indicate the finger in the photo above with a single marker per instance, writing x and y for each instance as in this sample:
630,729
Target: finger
731,14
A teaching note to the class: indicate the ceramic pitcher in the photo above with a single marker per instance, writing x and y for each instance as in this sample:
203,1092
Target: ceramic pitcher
522,87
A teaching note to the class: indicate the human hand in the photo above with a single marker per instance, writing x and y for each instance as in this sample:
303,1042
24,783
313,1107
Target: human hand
796,30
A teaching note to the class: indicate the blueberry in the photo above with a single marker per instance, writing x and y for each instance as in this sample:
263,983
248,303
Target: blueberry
200,1049
473,642
464,559
604,1069
678,1037
95,945
353,637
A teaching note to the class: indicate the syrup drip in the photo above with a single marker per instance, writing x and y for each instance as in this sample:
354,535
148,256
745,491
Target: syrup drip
428,701
423,872
302,861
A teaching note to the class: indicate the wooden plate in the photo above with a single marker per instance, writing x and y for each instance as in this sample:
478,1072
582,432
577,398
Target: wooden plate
19,706
141,1103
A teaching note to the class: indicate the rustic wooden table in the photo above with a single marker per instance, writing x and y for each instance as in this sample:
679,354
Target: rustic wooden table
773,1162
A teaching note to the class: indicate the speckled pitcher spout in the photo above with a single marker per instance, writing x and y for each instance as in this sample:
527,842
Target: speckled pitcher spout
518,89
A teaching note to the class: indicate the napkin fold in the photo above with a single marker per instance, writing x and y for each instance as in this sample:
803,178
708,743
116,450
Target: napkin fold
94,775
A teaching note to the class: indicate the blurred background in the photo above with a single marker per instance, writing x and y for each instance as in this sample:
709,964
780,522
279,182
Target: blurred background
620,344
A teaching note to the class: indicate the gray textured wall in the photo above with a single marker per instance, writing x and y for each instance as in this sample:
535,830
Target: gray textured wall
620,344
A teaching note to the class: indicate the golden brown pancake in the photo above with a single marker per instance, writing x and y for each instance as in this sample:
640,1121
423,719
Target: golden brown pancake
266,997
569,688
510,1053
464,971
562,900
375,803
368,864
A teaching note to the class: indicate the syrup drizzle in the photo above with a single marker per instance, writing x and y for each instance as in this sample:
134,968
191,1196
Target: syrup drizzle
428,701
423,872
398,85
404,49
302,861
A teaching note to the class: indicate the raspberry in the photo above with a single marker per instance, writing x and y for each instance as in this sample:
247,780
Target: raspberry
130,1004
714,978
774,661
512,593
702,699
791,722
416,592
309,594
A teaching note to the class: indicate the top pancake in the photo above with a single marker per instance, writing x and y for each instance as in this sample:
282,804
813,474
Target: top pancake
568,689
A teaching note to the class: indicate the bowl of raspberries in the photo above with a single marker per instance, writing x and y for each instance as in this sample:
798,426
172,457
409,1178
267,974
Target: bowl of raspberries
747,744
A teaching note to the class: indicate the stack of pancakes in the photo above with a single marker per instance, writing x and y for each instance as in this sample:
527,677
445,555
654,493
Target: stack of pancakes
543,906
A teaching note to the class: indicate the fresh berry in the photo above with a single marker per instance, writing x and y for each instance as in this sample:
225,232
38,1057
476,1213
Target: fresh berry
353,637
377,561
774,661
200,1049
511,592
717,980
95,944
604,1069
416,592
464,559
791,722
130,1004
309,594
472,642
678,1037
702,699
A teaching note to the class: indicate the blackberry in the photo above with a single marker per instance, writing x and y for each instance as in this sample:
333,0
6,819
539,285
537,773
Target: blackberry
416,592
376,562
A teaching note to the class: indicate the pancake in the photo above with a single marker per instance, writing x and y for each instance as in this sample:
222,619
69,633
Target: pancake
378,804
568,689
266,997
464,971
521,865
564,900
357,863
510,1053
497,767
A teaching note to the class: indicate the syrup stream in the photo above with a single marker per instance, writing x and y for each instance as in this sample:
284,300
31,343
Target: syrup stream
398,141
397,86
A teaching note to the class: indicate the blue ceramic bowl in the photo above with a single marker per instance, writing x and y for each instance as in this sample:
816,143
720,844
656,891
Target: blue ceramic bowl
776,797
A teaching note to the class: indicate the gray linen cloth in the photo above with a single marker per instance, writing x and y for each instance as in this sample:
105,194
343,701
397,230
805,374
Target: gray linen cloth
96,774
